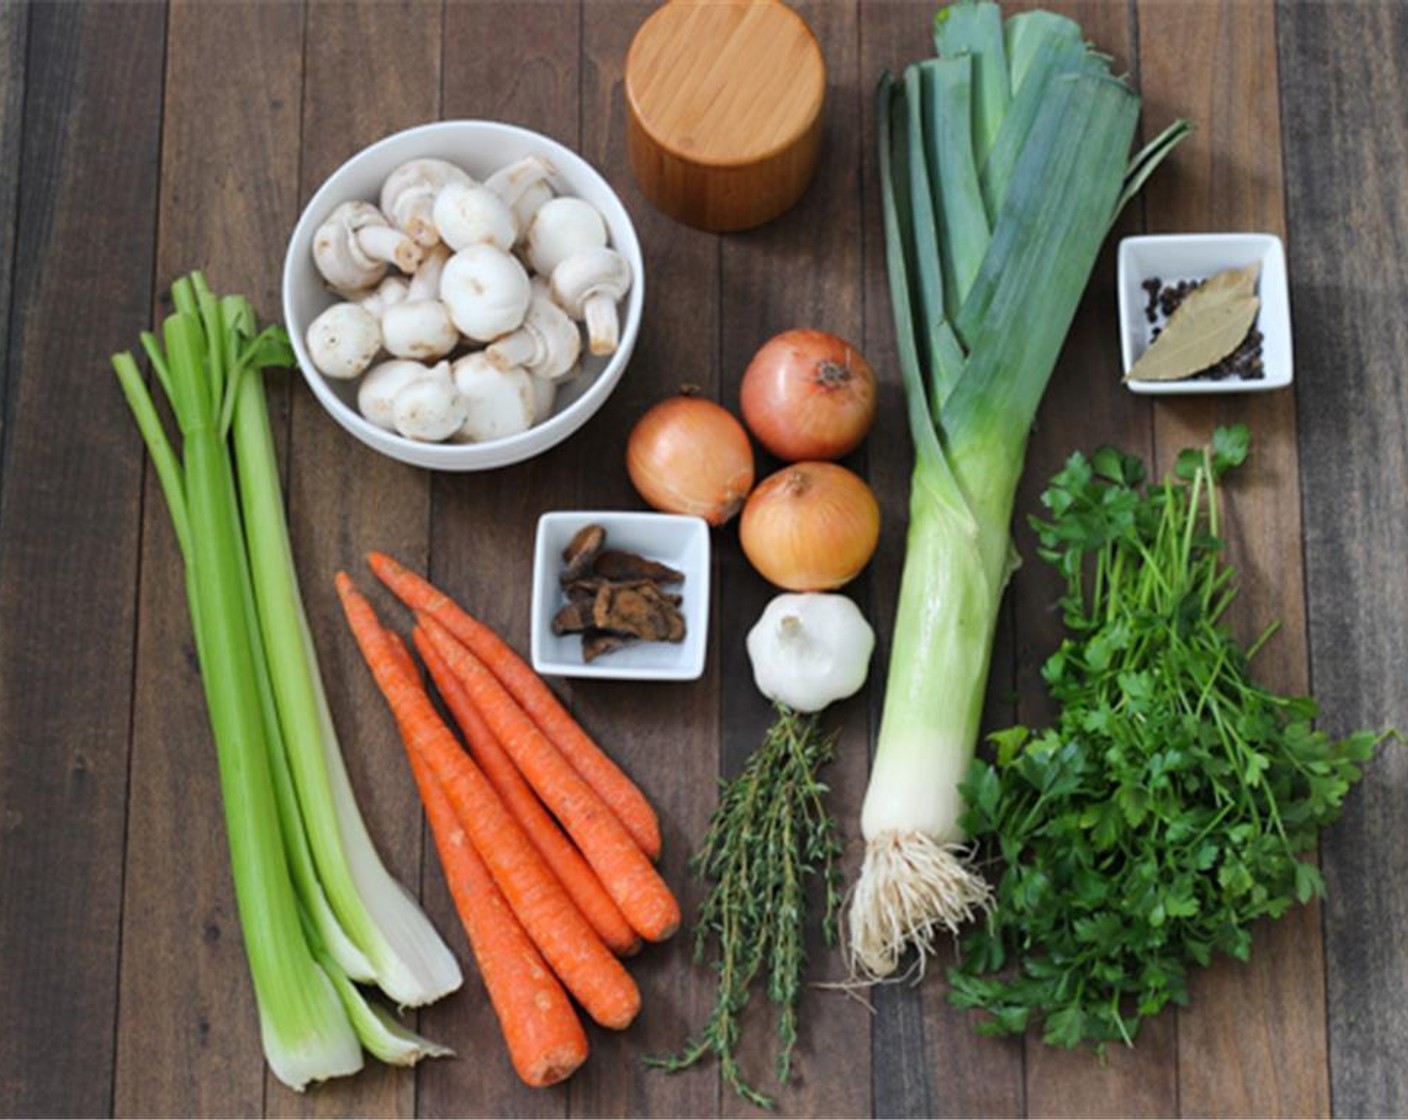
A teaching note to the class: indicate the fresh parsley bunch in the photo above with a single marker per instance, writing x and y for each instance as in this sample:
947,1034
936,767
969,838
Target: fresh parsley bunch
1169,806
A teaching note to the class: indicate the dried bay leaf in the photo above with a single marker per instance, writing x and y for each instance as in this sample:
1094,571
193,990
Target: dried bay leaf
1209,324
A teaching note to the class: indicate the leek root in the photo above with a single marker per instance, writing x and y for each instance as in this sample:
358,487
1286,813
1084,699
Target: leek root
992,227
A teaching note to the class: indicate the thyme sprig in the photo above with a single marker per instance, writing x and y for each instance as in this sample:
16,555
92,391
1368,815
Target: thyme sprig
770,835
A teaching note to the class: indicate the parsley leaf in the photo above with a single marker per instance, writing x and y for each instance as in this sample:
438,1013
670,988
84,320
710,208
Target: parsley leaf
1170,805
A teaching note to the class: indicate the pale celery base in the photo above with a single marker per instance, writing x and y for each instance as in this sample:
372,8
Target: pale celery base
910,887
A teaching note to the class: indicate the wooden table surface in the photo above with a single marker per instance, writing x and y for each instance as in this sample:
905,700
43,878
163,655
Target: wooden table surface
138,141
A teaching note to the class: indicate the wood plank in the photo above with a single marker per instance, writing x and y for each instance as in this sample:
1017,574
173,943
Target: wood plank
344,498
1252,1041
14,38
1086,406
665,735
926,1058
517,64
802,269
1346,157
69,497
188,1029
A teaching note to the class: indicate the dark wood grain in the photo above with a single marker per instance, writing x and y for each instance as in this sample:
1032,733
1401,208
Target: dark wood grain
70,504
14,38
1340,69
1252,1041
343,498
665,735
519,65
134,146
801,270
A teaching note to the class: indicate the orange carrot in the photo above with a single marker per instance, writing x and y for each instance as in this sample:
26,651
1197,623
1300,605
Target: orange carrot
567,942
533,695
403,655
572,871
544,1037
625,872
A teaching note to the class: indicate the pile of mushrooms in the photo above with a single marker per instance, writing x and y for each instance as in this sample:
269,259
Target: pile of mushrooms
460,301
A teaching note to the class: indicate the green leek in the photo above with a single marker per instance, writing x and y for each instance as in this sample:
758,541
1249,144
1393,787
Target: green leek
1051,163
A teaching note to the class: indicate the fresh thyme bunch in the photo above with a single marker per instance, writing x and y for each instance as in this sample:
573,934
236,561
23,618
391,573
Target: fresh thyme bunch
770,835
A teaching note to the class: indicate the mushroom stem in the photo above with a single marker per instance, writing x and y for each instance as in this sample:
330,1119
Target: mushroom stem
603,324
425,284
384,243
514,349
510,182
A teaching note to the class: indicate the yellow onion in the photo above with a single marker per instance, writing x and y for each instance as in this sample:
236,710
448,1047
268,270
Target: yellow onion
810,527
690,455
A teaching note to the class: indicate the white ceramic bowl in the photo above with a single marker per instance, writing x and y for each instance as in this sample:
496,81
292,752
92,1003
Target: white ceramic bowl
1196,256
679,541
480,147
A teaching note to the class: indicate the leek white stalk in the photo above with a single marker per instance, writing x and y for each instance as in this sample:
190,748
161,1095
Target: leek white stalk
986,271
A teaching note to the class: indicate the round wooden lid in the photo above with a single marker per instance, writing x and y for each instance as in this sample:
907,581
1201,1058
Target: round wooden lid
724,87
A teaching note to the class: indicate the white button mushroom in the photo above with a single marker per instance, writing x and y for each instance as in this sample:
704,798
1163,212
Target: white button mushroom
526,207
376,394
474,215
544,397
408,196
588,286
499,402
391,291
548,343
486,290
343,340
429,408
419,327
354,245
563,228
523,186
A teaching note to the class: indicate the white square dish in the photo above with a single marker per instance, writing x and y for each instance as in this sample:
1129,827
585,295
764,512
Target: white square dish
681,542
1196,256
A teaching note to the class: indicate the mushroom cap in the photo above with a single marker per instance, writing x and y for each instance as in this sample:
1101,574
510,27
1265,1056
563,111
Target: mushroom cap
473,215
419,329
338,255
408,196
563,227
486,290
598,271
343,340
548,343
429,408
499,402
376,394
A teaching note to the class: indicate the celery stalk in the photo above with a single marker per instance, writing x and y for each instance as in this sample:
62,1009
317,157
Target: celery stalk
305,1031
317,908
409,960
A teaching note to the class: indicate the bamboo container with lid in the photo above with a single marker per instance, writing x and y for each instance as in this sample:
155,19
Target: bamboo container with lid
724,101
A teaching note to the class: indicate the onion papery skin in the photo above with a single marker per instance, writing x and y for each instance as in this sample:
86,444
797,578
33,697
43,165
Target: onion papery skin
808,395
689,455
810,527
